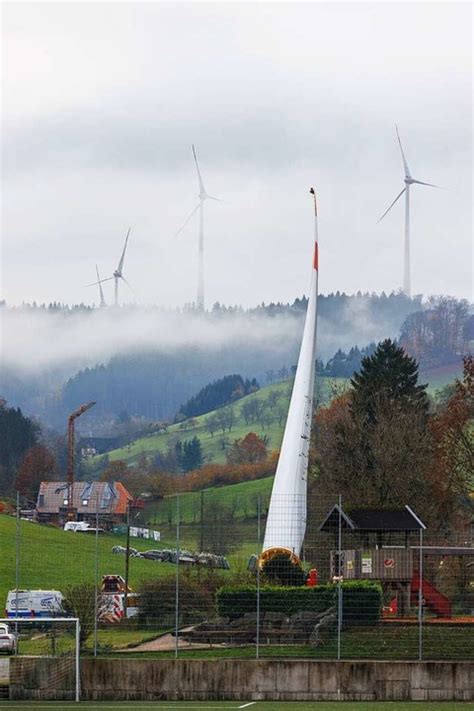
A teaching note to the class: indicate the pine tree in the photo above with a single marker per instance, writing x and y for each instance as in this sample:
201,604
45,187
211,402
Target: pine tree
388,373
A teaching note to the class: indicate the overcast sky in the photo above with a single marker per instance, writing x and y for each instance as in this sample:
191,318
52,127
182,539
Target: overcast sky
102,101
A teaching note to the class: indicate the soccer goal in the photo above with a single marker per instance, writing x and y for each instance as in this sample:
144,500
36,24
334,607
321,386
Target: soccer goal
44,655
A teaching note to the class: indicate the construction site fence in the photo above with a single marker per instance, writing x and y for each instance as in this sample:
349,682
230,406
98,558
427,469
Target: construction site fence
200,590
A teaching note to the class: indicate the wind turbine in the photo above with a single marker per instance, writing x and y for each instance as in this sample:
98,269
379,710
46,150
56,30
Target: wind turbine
203,196
408,180
118,273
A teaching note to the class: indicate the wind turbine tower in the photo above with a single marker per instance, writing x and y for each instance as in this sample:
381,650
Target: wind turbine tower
203,196
408,180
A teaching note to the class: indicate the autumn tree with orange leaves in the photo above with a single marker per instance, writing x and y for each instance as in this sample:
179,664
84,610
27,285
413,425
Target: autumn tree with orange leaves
248,450
452,428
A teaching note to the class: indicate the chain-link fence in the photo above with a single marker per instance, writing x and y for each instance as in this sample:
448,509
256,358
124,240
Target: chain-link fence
185,578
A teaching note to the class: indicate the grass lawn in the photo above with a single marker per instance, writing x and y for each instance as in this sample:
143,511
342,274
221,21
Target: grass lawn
253,706
382,642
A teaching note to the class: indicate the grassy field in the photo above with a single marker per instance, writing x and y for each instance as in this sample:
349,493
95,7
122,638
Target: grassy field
380,642
212,445
53,559
253,706
241,498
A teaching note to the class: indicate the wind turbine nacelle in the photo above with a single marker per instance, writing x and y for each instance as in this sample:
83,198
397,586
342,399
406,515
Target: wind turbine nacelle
117,274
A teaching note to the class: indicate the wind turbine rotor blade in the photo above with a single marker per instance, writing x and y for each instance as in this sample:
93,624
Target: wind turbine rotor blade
101,291
202,189
187,219
120,266
210,197
101,281
391,205
405,164
129,286
420,182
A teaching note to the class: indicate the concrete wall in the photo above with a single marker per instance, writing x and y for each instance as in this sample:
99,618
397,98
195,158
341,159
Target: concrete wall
141,679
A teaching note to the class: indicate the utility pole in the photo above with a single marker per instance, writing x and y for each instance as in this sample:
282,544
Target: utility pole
127,563
17,567
201,542
127,559
71,452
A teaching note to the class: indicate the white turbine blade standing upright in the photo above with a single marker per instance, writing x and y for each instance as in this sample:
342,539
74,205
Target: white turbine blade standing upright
101,291
286,520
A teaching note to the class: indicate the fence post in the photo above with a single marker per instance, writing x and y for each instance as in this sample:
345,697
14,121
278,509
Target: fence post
96,572
78,664
257,637
17,566
339,583
176,605
420,599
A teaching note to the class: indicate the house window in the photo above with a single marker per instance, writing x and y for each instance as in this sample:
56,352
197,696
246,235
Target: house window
41,500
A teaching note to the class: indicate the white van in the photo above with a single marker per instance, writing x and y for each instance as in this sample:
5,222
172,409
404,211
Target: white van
34,603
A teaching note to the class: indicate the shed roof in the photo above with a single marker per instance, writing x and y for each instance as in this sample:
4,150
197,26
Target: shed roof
374,520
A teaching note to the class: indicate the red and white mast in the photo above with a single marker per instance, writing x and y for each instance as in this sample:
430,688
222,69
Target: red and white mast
286,521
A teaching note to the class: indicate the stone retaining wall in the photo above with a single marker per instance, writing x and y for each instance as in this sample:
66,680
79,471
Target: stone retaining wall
251,680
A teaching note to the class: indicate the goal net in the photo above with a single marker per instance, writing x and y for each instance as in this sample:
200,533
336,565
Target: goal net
43,658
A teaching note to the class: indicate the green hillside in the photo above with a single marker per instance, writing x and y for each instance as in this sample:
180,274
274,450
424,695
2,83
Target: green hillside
52,559
242,500
213,445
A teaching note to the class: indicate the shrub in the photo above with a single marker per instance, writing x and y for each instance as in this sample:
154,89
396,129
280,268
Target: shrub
158,600
361,600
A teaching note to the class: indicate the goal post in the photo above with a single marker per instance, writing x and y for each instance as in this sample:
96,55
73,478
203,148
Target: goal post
44,658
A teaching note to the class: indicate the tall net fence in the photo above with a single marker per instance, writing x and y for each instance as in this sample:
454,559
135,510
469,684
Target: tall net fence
43,658
366,585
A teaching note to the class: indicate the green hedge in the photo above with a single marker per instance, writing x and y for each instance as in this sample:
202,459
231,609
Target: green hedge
361,600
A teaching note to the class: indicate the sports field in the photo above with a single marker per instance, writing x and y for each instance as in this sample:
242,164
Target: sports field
250,705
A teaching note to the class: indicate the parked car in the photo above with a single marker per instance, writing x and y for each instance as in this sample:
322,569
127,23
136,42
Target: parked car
8,640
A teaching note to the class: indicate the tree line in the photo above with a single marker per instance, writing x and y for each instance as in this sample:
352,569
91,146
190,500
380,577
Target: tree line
383,444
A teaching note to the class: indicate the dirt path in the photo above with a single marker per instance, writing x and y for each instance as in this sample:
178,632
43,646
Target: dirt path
167,643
